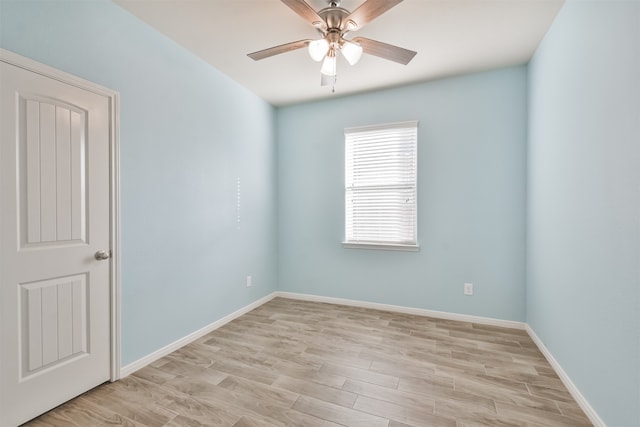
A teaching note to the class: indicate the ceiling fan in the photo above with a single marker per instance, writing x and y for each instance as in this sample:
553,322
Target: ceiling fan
333,23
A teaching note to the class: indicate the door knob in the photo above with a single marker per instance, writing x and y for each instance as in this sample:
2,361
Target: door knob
102,255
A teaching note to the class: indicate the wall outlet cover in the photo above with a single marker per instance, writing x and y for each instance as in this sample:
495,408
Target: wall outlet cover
468,288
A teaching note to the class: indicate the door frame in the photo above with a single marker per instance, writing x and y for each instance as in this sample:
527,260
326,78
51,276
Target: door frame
114,185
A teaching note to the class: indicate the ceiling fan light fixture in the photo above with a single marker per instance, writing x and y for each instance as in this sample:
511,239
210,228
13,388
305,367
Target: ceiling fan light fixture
329,64
351,51
318,49
333,23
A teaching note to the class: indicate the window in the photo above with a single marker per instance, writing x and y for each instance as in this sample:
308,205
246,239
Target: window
380,186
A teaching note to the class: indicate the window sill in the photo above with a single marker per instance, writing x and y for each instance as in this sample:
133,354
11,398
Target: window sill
381,246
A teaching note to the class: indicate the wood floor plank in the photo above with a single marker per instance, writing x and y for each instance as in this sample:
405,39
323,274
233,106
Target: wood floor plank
411,416
231,367
338,414
366,375
182,369
538,381
483,380
546,371
492,421
285,418
260,392
148,414
404,370
550,393
291,363
467,409
197,412
572,410
319,391
310,374
536,416
505,394
154,375
182,421
432,387
390,395
79,413
195,353
448,400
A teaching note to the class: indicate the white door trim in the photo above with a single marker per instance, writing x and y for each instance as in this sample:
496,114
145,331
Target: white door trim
114,191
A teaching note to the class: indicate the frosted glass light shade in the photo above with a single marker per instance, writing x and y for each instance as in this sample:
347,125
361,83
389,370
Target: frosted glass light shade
352,52
318,49
329,66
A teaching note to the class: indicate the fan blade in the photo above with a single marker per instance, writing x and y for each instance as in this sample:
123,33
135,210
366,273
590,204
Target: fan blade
386,51
276,50
368,11
305,11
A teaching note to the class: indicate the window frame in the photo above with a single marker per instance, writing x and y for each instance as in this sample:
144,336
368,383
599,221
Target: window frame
412,245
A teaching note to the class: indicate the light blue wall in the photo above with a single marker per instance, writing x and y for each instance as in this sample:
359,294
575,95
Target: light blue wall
187,133
471,200
583,281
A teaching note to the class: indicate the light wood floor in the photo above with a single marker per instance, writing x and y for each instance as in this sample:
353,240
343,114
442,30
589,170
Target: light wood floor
296,363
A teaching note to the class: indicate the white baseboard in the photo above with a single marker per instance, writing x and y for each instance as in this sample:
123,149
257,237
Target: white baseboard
571,387
158,354
406,310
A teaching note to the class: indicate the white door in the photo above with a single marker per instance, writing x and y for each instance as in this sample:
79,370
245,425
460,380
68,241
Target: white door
55,320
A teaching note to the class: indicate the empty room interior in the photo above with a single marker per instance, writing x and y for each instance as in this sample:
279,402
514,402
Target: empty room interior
237,289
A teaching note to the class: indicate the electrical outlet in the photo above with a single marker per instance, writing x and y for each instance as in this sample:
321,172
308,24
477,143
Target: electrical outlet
468,288
249,282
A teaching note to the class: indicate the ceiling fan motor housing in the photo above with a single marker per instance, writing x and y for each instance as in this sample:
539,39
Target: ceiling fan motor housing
334,17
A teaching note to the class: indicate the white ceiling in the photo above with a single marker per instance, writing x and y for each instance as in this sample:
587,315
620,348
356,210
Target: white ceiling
451,37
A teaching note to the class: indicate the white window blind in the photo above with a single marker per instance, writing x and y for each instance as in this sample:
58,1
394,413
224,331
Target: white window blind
380,186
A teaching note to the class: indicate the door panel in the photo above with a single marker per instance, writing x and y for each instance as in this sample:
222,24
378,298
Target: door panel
53,322
54,216
52,172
